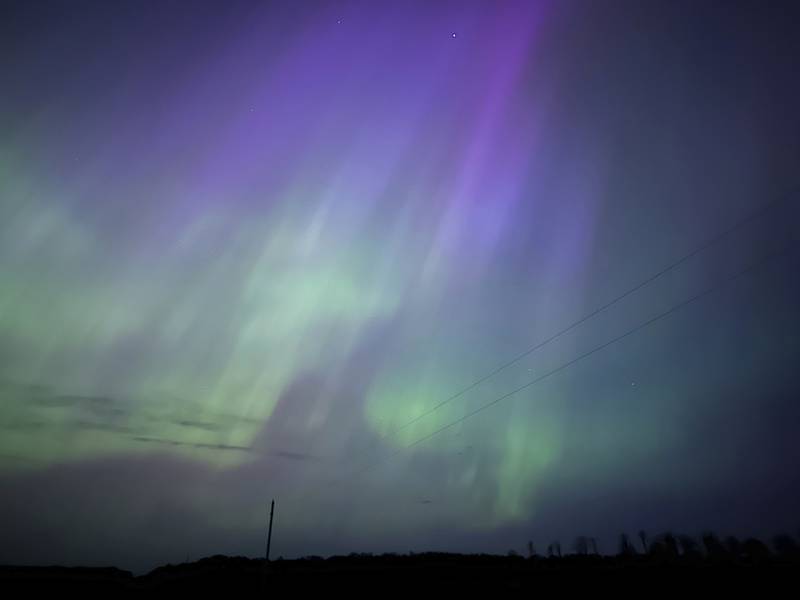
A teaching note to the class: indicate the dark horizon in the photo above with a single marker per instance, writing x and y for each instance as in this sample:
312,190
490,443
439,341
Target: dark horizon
682,558
436,276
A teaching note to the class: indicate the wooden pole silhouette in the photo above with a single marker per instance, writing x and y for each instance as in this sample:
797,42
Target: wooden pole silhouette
269,534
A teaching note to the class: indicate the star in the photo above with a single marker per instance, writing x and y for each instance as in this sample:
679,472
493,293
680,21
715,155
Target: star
454,34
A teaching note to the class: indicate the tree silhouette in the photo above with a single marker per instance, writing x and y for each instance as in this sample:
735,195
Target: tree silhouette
670,545
531,549
785,546
643,537
689,546
714,548
756,550
734,547
626,548
593,543
581,545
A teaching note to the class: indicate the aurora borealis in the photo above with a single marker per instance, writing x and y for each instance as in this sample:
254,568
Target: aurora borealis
244,244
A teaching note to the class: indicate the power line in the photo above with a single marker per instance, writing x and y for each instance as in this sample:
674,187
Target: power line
660,316
686,257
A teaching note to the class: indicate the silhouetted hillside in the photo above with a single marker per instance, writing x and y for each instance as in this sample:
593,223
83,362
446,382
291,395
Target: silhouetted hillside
667,554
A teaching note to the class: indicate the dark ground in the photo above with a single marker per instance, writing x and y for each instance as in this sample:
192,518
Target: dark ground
408,573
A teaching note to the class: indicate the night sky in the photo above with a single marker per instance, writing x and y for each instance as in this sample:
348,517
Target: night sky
247,247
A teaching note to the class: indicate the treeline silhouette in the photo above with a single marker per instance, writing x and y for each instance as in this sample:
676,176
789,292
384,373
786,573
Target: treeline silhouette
680,548
635,556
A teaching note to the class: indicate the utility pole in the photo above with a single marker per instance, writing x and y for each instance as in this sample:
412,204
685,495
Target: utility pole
269,534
